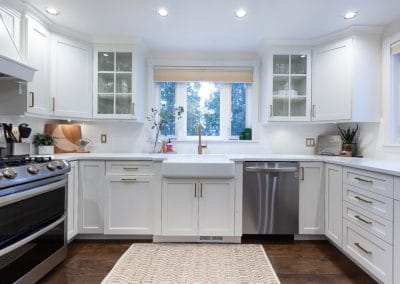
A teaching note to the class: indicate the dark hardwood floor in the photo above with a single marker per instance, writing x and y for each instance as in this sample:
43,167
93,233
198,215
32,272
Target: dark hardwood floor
293,261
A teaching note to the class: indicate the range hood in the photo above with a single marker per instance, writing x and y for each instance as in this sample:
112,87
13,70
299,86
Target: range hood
11,65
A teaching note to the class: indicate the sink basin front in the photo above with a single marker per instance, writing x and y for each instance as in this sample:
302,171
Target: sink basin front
198,166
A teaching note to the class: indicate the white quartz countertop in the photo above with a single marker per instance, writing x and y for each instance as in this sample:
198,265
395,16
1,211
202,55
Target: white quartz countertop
383,166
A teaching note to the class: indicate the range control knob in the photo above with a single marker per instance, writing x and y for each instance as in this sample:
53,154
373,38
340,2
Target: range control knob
51,166
32,169
60,164
9,173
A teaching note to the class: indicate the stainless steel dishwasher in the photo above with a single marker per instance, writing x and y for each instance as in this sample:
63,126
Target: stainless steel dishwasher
271,198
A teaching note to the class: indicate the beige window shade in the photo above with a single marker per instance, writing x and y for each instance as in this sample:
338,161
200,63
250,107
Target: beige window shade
395,48
190,74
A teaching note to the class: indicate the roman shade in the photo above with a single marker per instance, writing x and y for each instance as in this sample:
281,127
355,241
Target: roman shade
395,48
210,74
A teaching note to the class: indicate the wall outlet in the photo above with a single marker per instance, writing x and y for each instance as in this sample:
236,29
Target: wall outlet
310,142
103,138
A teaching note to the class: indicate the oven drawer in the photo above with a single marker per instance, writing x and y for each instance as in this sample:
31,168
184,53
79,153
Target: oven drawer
369,251
371,181
372,223
373,203
129,168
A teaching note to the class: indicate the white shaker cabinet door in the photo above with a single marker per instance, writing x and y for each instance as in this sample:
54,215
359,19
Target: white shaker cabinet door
216,207
91,180
334,203
38,56
311,198
180,207
71,78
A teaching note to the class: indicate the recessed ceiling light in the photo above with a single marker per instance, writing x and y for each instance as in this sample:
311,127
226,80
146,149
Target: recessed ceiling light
52,11
350,15
240,13
162,12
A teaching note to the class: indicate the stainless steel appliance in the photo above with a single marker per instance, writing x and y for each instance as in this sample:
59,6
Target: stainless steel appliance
33,235
271,198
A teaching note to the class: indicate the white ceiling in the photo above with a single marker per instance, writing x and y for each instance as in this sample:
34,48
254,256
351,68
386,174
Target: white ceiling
211,24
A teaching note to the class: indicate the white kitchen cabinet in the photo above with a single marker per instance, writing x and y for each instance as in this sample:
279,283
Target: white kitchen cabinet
192,207
71,78
346,80
37,55
396,264
333,203
118,85
72,211
91,181
289,84
128,205
311,198
12,19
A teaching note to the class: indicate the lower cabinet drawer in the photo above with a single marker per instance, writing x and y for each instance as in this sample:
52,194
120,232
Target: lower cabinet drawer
372,223
129,168
370,252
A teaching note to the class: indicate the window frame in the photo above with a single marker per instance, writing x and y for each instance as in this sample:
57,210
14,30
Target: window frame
392,93
246,61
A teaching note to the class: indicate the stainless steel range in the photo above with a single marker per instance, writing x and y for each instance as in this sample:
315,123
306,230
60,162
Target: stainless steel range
32,217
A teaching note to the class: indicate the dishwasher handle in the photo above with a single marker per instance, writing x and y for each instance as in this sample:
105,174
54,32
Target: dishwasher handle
271,170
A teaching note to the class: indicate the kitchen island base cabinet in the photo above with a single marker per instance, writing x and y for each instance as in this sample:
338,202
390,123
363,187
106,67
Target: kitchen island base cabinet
333,203
127,207
311,199
91,180
192,207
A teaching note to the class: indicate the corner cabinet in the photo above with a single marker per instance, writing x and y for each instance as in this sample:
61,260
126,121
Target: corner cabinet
311,198
118,83
334,203
346,80
198,207
289,85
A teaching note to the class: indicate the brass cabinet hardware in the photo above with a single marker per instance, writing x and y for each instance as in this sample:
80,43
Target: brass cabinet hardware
363,220
313,111
363,249
363,200
128,179
195,190
130,169
32,99
302,173
133,109
201,190
54,103
270,111
364,180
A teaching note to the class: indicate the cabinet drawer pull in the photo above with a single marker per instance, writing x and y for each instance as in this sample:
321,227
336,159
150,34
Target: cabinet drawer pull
363,249
364,180
302,173
128,179
32,99
130,169
363,200
54,103
201,190
195,190
313,111
363,220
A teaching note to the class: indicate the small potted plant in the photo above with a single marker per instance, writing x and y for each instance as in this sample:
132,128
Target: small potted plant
45,143
349,139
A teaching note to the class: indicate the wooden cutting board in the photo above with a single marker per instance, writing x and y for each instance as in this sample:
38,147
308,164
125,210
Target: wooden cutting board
67,136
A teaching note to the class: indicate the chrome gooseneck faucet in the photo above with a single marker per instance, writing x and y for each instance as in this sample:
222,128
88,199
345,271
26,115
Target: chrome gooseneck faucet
199,146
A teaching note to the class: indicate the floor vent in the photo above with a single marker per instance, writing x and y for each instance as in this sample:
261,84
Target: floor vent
211,238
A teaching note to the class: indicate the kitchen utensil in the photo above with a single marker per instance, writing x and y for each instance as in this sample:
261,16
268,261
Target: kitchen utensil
24,130
8,132
16,134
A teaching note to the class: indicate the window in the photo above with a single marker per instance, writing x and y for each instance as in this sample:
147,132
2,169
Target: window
395,90
221,108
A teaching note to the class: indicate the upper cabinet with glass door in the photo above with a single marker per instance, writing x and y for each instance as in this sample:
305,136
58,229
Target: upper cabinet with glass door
289,86
114,82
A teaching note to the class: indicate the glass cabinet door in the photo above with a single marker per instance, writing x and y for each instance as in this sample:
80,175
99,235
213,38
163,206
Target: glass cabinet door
114,83
289,86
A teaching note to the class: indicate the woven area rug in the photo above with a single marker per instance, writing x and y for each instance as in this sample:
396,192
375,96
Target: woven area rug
193,263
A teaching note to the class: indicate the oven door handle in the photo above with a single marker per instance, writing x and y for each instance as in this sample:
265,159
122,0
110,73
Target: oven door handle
31,237
12,198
